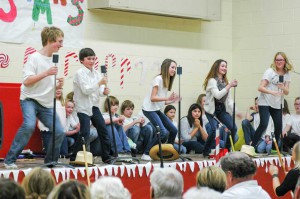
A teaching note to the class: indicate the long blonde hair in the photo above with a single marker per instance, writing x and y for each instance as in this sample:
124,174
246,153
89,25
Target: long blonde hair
214,72
164,72
297,155
287,67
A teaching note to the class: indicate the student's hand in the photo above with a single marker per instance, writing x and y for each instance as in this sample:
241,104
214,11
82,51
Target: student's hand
239,116
142,120
273,169
280,86
102,81
121,119
233,83
254,108
106,91
171,97
197,123
52,71
277,93
77,127
284,133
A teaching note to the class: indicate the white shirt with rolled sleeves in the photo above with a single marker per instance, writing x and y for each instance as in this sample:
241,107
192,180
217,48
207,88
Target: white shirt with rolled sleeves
265,99
294,122
162,92
86,90
213,92
43,90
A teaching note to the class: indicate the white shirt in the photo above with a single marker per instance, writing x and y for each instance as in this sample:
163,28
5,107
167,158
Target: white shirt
61,113
72,122
186,130
285,118
267,99
294,121
86,90
246,190
270,127
162,92
43,90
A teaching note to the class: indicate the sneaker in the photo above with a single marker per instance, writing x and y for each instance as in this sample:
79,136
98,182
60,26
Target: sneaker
11,166
146,157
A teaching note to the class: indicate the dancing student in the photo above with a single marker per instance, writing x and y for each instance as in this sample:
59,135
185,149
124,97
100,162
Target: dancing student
218,100
291,178
118,120
88,86
170,112
271,94
137,129
193,134
291,132
157,98
36,98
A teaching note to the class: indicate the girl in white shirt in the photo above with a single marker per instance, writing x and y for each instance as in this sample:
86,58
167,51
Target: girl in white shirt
157,98
274,84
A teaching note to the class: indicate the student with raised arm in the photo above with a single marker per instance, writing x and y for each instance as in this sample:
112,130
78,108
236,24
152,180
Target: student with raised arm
157,98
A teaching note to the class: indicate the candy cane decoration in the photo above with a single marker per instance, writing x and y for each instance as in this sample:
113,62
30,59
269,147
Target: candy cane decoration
28,52
124,62
67,57
113,59
4,60
96,65
217,155
141,63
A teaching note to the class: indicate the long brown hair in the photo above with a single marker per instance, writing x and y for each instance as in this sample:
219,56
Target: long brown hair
164,72
214,72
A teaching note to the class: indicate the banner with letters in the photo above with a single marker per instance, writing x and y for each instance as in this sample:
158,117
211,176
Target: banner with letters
21,21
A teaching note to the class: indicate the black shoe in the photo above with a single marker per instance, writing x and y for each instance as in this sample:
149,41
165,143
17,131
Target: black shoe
133,152
109,161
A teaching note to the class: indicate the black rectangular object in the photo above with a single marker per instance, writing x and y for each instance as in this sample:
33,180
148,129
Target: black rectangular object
55,58
281,78
179,70
103,69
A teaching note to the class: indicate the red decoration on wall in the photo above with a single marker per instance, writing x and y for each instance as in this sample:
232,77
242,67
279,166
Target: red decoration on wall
113,59
11,15
124,62
76,21
4,60
62,2
28,51
68,55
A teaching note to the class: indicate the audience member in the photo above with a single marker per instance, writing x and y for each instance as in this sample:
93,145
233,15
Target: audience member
9,189
166,183
290,180
212,177
38,184
202,193
108,187
240,170
70,189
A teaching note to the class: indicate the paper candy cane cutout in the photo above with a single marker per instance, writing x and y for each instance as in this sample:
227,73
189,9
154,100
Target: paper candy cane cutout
96,65
141,63
28,52
113,60
124,62
67,57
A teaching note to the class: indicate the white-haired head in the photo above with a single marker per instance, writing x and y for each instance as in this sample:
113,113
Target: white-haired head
108,187
202,192
166,182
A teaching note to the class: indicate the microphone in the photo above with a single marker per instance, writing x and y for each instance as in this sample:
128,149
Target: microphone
158,129
55,58
281,78
179,70
218,121
104,72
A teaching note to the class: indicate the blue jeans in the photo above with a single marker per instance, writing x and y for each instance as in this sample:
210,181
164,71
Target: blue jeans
194,145
182,148
120,136
157,118
263,147
227,120
144,139
31,110
85,127
248,131
264,113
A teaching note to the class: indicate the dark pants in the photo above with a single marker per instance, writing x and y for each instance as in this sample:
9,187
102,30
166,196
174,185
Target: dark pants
264,113
99,123
290,140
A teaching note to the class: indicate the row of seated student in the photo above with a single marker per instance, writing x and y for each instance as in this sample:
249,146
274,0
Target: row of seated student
290,128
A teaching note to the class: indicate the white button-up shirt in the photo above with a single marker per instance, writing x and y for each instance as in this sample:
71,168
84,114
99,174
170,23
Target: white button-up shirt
86,90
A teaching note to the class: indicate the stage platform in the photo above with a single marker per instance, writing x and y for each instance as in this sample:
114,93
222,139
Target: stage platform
136,176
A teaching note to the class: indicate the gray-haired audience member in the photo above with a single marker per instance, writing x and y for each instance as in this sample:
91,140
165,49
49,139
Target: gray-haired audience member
166,183
109,187
9,189
203,193
240,170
